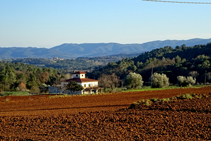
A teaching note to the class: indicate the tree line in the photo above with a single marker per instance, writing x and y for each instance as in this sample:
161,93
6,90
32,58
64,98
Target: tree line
24,77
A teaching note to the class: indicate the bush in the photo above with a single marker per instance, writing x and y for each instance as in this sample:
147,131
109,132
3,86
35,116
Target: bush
159,80
133,80
185,82
147,103
187,96
154,99
35,90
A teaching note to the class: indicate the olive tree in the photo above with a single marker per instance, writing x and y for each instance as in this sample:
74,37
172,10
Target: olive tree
159,80
133,80
185,82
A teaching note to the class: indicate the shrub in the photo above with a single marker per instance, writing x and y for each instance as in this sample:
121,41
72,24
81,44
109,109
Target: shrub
165,99
133,80
154,99
185,82
35,90
147,103
22,86
159,80
200,96
142,100
187,96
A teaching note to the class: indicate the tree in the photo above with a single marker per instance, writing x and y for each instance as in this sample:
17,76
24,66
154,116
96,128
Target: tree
43,77
159,80
32,81
35,89
21,78
104,81
109,81
206,64
74,86
133,80
184,82
44,88
57,84
208,75
184,47
114,81
194,74
21,87
178,59
7,77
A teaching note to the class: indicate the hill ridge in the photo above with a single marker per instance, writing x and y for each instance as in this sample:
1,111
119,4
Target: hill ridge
74,50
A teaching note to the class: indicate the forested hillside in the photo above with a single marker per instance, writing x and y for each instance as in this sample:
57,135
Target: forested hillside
179,61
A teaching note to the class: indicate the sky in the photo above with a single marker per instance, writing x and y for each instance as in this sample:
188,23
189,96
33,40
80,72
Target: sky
48,23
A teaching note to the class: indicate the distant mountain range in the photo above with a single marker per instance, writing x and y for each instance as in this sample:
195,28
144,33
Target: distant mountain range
92,49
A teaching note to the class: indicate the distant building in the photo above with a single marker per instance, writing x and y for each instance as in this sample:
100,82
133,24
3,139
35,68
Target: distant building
56,58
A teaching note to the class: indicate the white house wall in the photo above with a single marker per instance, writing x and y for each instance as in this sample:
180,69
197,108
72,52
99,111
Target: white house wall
92,84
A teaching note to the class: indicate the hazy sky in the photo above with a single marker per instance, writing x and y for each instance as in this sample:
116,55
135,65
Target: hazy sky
47,23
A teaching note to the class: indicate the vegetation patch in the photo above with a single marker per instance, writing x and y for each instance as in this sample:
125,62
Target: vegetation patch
59,96
148,102
15,93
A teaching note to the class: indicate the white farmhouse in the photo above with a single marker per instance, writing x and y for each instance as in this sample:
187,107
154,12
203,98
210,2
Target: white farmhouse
90,85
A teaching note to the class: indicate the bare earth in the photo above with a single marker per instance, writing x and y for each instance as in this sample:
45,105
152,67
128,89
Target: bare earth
97,117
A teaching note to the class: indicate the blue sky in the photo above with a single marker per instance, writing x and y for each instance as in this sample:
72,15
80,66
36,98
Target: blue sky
47,23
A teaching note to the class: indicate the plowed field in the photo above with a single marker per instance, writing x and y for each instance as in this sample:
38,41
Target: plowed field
97,117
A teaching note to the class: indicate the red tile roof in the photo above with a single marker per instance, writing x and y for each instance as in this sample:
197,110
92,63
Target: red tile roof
82,80
79,72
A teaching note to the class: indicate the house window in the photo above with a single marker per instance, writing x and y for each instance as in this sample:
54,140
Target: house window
84,85
89,85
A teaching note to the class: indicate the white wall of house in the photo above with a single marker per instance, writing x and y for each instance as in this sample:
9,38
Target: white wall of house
89,84
84,84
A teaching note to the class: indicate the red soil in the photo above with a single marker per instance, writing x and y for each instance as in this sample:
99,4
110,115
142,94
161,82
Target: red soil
96,117
43,105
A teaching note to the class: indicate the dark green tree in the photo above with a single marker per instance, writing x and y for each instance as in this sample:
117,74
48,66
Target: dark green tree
7,77
74,87
21,78
31,81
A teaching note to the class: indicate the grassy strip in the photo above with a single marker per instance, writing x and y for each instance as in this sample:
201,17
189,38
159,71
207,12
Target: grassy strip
148,88
59,96
14,93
